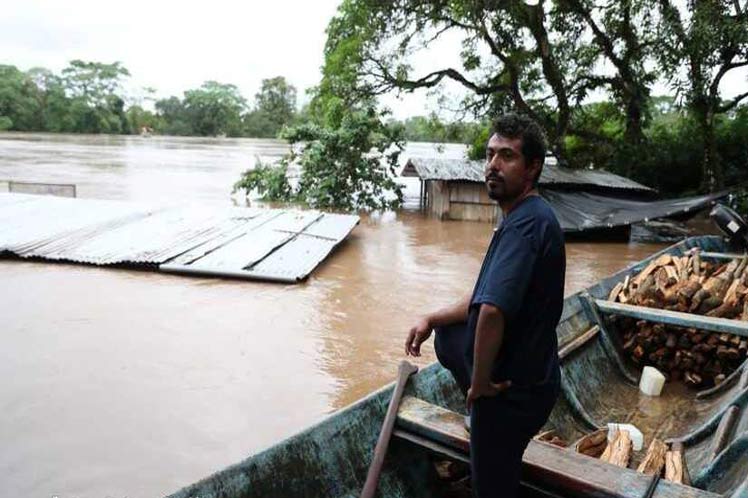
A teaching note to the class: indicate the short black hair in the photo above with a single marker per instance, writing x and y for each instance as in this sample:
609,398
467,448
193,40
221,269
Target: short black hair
513,125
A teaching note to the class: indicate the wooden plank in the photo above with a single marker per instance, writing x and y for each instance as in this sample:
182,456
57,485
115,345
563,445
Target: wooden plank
578,342
723,255
438,424
722,325
550,467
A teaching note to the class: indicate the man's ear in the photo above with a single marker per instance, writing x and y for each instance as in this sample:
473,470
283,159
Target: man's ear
534,167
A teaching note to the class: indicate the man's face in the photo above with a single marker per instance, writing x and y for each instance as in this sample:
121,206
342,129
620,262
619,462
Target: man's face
507,173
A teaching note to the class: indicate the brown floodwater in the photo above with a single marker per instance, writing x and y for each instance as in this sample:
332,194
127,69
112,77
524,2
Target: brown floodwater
123,383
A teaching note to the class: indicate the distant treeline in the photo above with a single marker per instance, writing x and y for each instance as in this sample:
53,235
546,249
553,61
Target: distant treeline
89,97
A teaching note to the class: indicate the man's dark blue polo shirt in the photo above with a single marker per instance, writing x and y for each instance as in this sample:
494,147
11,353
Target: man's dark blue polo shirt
523,275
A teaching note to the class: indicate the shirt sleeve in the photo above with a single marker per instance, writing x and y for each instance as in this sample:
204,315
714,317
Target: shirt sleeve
508,273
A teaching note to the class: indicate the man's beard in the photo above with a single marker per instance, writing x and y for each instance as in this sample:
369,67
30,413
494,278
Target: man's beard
498,192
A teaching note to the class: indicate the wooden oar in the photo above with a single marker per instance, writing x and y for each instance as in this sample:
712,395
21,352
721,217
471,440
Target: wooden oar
404,371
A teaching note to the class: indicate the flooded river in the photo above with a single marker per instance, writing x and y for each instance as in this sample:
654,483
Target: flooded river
132,384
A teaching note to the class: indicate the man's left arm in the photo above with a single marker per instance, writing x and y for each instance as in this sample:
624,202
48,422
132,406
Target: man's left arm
489,335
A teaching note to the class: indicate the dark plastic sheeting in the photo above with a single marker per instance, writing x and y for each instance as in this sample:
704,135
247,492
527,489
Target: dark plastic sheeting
580,211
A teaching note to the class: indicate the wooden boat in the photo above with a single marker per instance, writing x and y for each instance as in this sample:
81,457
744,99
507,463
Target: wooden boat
598,386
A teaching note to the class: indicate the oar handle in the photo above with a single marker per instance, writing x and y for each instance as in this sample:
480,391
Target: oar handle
404,371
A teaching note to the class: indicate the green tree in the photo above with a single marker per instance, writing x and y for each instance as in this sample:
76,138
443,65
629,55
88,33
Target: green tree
172,118
95,90
350,166
543,59
275,107
18,100
94,82
52,103
700,44
215,109
514,55
270,181
624,33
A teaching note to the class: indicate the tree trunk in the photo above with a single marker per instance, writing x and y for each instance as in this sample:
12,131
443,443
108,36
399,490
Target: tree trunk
713,175
633,136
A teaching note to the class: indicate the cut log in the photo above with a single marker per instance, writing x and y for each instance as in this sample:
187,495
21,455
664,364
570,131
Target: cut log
593,439
654,460
616,290
679,264
545,435
662,280
646,290
618,451
691,287
639,279
727,353
593,444
676,469
663,260
731,296
725,310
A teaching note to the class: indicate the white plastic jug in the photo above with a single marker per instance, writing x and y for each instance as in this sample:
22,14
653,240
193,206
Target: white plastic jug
651,382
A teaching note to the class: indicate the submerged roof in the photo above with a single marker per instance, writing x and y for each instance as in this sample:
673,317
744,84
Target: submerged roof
469,170
251,243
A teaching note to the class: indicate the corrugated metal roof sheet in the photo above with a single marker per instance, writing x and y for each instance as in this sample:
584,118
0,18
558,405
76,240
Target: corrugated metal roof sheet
465,169
238,242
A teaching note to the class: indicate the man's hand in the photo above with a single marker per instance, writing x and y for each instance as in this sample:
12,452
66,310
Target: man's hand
417,335
488,390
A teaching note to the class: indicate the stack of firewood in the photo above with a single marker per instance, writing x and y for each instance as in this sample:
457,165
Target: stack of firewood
659,459
686,284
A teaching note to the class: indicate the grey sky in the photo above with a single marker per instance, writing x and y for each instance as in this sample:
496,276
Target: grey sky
173,46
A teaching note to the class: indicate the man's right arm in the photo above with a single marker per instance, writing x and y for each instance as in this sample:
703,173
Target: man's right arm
421,331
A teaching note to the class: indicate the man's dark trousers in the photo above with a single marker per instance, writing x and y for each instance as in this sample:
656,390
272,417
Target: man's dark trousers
501,426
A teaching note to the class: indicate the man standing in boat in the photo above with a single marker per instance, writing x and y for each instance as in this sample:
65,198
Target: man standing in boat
500,342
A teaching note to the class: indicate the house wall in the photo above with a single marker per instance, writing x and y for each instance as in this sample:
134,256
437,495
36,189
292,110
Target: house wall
460,200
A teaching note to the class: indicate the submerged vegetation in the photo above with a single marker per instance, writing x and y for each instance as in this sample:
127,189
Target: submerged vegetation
345,165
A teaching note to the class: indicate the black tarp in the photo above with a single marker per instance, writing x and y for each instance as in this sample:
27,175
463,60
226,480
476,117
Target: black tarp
581,211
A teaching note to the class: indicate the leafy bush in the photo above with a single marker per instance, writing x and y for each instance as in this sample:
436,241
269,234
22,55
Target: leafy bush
349,166
269,180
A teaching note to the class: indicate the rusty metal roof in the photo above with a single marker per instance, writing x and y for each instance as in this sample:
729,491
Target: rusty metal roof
468,170
269,244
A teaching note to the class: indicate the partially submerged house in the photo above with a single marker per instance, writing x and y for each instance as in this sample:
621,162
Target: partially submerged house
584,200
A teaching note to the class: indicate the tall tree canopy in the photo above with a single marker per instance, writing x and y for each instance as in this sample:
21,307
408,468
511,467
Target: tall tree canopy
215,109
701,43
275,107
546,59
